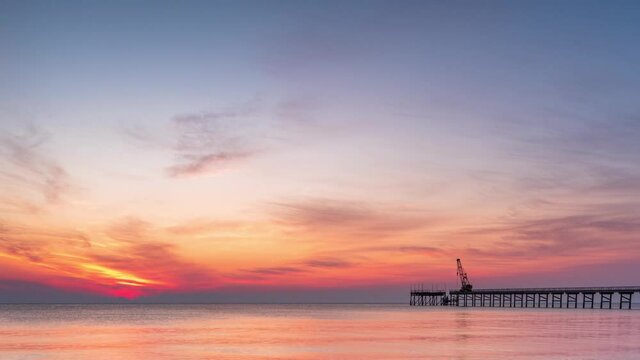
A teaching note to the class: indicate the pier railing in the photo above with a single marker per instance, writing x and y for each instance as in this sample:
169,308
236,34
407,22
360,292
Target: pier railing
615,289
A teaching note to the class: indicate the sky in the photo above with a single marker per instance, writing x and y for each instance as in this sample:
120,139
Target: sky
315,151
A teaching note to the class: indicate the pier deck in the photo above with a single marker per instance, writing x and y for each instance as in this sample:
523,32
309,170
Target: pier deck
553,297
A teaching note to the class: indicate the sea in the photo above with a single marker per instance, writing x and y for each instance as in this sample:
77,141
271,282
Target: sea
337,331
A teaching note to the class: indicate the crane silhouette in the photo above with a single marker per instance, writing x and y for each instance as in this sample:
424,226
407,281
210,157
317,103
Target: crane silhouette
465,284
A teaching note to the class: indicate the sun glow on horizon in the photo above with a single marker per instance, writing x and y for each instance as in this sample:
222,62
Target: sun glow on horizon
120,277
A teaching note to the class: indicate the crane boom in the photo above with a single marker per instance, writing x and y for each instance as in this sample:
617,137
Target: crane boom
465,284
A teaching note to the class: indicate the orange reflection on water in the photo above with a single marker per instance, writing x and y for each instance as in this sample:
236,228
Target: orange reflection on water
312,332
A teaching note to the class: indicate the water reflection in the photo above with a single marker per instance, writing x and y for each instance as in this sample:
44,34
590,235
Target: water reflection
312,332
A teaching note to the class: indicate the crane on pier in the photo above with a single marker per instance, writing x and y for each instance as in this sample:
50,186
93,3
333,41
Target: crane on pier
465,284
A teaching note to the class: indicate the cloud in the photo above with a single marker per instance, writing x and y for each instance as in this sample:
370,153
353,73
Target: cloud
307,267
579,194
407,249
276,270
36,245
204,226
204,142
139,250
574,236
194,164
210,141
576,188
328,263
129,229
26,164
343,217
159,263
132,260
578,143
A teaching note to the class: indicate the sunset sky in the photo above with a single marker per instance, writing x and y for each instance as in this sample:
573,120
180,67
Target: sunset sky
315,150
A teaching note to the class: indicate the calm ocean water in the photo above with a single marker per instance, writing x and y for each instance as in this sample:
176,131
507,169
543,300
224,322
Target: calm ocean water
143,332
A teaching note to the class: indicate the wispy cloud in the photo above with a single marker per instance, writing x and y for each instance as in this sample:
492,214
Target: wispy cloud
35,244
307,267
205,226
332,263
344,217
600,234
276,270
140,250
195,164
204,142
26,163
132,260
210,141
428,251
14,204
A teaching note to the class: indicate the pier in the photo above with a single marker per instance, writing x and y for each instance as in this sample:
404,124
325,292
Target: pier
553,297
428,298
567,298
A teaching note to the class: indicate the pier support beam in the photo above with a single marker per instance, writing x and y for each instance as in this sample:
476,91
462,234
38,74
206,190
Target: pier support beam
518,298
556,298
530,298
496,297
543,297
572,299
605,299
625,299
509,298
587,300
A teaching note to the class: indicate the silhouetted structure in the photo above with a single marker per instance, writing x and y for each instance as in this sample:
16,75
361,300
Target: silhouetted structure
565,297
465,284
